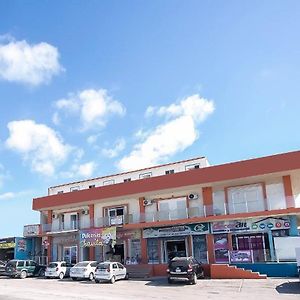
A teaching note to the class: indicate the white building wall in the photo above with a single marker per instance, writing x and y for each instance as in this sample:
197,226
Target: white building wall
295,180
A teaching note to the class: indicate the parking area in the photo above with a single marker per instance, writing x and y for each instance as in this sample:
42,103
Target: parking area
158,288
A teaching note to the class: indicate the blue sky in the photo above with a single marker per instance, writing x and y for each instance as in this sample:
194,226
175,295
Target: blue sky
89,88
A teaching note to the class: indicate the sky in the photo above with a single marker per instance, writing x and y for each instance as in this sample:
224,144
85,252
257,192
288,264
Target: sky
91,88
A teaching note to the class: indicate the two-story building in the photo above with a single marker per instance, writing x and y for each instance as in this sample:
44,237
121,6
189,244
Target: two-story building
227,213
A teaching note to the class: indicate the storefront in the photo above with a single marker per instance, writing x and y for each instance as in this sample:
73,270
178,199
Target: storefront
164,243
15,248
248,241
65,247
33,233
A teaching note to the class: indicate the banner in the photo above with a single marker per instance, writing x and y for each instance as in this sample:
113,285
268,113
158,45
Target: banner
181,230
97,237
7,243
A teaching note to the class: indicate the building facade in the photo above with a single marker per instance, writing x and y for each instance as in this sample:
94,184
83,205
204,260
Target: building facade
229,213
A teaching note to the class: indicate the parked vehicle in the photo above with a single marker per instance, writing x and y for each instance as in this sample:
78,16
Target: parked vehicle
185,269
84,270
59,269
2,267
24,268
110,271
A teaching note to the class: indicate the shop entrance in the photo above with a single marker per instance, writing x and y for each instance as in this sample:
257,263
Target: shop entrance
119,252
70,254
175,248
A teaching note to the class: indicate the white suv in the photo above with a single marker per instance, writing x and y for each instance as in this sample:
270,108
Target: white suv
58,269
110,271
83,270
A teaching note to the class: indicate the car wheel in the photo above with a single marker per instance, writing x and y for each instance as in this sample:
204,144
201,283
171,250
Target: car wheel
126,276
41,273
91,277
170,280
74,278
113,280
97,281
194,279
201,276
61,275
23,275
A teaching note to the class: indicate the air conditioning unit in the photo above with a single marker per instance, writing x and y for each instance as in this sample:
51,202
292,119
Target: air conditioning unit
147,202
85,212
193,196
55,216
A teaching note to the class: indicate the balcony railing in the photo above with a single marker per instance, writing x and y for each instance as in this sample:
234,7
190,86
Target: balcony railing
185,213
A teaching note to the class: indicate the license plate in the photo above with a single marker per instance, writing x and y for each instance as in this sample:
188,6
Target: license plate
177,270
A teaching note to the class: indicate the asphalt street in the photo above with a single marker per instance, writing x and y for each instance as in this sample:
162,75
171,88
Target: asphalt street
35,288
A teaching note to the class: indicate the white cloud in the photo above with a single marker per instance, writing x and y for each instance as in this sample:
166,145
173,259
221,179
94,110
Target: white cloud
116,149
6,196
13,195
84,170
31,64
38,144
177,133
93,107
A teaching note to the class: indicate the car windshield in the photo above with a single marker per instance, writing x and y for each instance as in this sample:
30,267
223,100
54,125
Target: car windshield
82,264
52,265
12,263
103,266
178,263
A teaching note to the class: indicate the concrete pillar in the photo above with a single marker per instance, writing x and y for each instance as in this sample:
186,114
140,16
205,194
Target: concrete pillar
210,248
271,243
288,192
207,200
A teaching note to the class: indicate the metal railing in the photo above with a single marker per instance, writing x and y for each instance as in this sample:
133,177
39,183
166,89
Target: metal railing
164,215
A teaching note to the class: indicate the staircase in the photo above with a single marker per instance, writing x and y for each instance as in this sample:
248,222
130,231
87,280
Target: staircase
233,272
139,271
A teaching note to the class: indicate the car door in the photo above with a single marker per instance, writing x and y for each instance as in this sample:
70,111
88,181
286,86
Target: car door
115,270
121,271
32,267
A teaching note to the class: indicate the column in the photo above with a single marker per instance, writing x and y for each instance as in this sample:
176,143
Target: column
91,253
92,215
210,248
288,192
293,231
144,259
271,243
142,209
49,238
207,200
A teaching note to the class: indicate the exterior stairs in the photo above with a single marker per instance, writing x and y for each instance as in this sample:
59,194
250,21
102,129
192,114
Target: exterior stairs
139,271
225,271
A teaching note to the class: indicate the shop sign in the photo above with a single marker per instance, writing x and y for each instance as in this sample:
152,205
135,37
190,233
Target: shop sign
181,230
129,235
251,225
270,224
241,256
31,230
7,243
97,237
230,226
67,239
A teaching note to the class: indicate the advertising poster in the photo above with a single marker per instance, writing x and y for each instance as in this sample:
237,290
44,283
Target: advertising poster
221,248
241,256
97,237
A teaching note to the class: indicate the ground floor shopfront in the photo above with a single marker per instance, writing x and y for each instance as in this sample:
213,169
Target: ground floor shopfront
15,248
224,242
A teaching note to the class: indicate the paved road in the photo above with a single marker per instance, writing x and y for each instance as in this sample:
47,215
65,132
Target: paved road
36,289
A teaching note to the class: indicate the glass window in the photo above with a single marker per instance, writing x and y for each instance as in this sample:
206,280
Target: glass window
199,248
115,266
94,264
169,172
32,263
152,250
120,266
145,175
135,251
21,263
109,182
127,179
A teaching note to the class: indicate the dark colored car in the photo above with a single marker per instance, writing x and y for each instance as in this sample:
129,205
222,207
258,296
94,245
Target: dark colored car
184,269
24,268
2,267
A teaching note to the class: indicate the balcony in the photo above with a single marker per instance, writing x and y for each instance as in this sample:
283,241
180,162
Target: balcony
204,211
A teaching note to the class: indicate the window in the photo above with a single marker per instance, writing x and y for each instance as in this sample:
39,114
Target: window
31,263
145,175
92,186
60,192
169,172
109,182
74,188
200,248
120,266
127,179
191,167
116,215
21,264
115,266
172,209
152,251
94,264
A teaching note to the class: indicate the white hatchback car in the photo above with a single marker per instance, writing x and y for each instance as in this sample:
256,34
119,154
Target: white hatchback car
84,270
110,271
58,269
